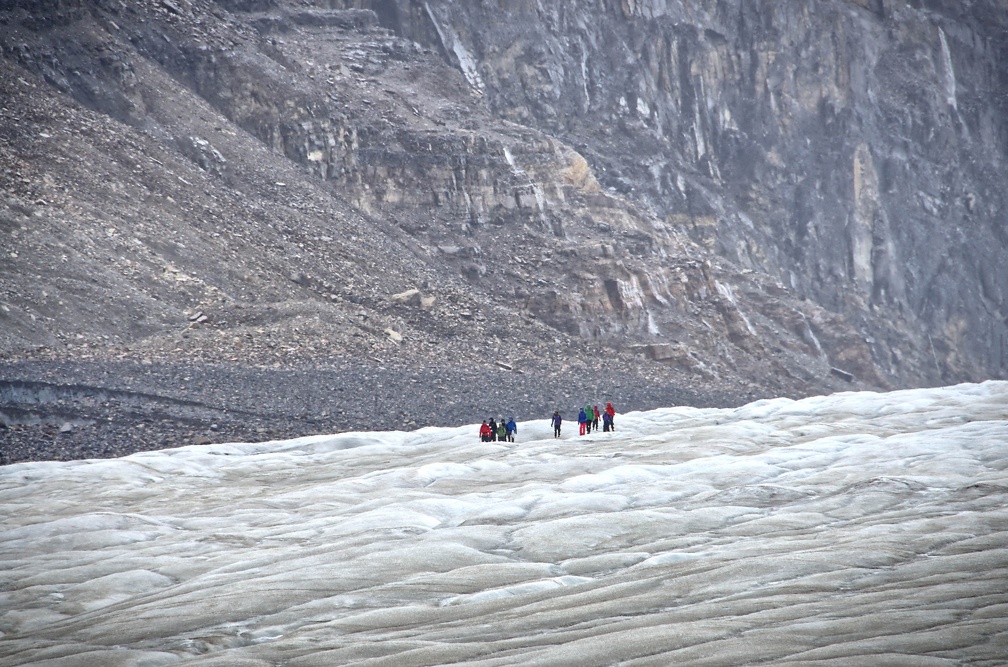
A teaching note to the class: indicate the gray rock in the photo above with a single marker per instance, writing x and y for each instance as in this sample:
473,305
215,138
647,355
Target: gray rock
411,297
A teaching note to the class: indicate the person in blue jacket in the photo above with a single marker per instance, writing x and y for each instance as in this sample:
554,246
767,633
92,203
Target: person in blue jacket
512,428
556,421
582,422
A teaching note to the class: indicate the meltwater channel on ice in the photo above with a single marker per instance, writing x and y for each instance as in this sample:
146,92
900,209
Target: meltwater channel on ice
852,529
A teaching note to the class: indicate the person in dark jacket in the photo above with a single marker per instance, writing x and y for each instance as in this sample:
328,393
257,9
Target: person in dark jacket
582,422
493,430
556,421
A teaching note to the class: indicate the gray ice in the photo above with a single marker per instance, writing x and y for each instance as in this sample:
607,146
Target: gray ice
857,528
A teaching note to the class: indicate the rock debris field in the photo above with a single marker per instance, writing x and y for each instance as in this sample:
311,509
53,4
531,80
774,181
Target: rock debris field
66,410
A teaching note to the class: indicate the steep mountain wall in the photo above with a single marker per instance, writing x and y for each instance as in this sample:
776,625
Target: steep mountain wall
789,194
854,150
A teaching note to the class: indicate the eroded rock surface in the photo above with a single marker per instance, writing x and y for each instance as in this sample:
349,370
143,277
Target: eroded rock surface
851,150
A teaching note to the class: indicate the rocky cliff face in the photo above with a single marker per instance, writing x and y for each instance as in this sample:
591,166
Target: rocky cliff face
739,191
851,150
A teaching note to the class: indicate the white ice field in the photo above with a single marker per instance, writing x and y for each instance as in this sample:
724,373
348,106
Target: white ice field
853,529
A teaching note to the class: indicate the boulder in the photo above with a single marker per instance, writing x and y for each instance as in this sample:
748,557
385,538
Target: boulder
411,297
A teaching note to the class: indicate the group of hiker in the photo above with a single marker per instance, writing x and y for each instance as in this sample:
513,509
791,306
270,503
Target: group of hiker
588,419
492,430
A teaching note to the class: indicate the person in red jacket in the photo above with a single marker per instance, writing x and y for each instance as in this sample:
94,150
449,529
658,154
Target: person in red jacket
485,432
611,411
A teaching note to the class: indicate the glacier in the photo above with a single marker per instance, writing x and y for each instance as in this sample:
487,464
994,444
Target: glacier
855,528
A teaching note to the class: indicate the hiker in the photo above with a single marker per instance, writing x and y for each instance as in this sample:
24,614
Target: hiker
582,422
598,415
502,432
611,411
485,432
512,428
606,422
493,430
557,419
589,418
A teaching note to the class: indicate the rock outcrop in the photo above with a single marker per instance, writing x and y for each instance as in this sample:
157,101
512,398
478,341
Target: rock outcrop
852,151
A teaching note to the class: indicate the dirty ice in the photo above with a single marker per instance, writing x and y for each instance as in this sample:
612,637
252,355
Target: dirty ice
857,528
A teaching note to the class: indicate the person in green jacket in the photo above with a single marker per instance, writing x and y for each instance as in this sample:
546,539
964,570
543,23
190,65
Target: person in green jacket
502,430
590,414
